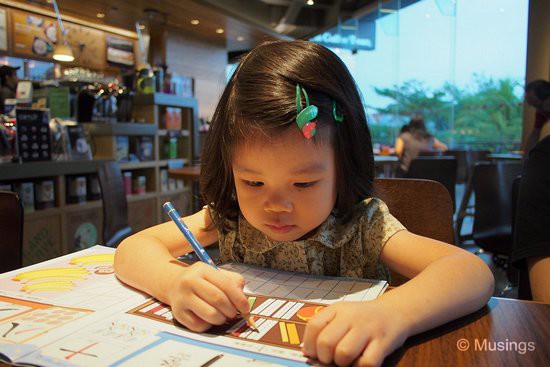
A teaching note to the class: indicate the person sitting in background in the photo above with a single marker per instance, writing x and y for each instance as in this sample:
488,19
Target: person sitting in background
413,140
9,80
537,95
531,247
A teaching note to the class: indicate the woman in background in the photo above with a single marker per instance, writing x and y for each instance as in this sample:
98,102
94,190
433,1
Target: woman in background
412,141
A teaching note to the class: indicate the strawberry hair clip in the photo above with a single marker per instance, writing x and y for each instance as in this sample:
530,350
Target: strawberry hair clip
307,118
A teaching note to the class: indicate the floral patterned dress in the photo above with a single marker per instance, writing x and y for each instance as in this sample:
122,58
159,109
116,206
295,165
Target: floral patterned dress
349,249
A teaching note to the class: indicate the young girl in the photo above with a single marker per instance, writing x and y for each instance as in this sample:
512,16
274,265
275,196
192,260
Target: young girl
287,171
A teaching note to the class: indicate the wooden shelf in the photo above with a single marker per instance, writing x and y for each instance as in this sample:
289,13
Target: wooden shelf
19,171
137,165
163,99
130,129
174,133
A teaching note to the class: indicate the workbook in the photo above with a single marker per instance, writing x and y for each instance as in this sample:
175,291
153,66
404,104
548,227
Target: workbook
73,311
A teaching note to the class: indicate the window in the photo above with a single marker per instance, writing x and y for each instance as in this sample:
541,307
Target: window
460,64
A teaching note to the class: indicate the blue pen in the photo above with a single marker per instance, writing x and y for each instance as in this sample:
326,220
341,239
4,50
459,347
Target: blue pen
199,250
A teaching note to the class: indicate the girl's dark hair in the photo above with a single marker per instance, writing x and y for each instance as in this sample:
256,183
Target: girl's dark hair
417,127
261,97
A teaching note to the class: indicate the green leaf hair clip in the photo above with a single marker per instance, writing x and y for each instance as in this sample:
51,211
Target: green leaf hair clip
337,117
306,117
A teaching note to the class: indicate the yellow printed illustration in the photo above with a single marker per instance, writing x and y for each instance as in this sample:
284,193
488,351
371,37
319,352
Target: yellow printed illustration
84,279
63,279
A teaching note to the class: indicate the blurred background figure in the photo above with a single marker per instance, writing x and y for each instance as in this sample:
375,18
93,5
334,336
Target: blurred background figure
412,140
531,246
8,80
537,95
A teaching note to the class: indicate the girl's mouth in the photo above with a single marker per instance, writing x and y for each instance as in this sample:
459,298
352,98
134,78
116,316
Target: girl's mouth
277,228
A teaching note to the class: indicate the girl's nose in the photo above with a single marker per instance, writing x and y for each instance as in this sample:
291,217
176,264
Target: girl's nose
278,203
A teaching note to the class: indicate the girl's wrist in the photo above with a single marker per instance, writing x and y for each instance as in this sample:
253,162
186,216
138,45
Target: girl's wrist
399,314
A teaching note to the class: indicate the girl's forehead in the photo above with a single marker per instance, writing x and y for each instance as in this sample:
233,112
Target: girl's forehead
289,148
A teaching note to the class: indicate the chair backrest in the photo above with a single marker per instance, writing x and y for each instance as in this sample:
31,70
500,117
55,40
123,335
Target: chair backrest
492,184
524,286
424,207
441,169
11,228
115,206
473,157
466,159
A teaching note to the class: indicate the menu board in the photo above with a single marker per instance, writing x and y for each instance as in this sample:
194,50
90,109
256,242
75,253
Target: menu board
33,134
88,45
120,51
33,35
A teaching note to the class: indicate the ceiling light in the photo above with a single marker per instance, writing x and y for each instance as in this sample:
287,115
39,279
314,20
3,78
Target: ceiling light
100,15
310,2
195,21
240,38
219,30
62,51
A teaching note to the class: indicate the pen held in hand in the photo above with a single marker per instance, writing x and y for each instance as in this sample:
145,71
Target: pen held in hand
197,247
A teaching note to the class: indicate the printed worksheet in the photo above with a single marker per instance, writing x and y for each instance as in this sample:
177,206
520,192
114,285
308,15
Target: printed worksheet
72,311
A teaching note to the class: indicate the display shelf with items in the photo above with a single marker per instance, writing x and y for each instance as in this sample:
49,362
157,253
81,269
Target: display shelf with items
123,142
176,117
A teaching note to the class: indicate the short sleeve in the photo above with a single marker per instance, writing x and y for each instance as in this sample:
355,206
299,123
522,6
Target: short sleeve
377,227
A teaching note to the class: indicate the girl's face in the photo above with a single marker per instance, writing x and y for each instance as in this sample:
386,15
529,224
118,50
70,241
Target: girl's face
286,187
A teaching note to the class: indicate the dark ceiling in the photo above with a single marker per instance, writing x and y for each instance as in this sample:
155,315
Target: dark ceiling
245,22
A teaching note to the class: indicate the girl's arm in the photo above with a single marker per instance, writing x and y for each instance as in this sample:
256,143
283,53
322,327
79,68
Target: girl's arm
399,145
447,283
147,261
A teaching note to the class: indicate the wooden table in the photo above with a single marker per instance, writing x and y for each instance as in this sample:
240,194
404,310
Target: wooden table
500,324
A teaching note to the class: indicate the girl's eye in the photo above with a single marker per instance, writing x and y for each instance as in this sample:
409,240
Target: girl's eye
253,183
304,184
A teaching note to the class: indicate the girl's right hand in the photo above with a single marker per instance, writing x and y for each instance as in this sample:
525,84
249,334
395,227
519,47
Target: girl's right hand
201,296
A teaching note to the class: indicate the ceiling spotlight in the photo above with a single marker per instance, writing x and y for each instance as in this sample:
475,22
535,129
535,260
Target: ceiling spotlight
195,21
219,30
240,38
310,2
100,15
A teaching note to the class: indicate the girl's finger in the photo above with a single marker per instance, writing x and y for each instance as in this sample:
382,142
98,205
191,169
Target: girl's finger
216,298
374,354
232,286
351,346
204,310
191,321
313,328
328,339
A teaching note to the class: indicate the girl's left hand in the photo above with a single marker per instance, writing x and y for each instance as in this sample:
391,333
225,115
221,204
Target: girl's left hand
364,332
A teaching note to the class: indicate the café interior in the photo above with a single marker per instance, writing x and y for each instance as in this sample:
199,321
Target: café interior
129,88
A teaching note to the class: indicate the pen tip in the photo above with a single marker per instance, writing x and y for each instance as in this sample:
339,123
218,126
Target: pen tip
251,323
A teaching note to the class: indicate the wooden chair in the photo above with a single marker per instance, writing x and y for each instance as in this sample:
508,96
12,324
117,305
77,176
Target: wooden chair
115,206
11,228
424,207
438,168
